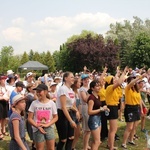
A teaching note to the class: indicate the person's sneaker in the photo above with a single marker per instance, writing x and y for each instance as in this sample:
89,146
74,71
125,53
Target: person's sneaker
148,117
143,130
124,146
131,142
135,137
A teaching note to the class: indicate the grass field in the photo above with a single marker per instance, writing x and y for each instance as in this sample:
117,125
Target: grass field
141,142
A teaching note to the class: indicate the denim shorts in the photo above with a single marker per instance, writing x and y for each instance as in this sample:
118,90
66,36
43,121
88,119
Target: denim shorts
39,137
94,122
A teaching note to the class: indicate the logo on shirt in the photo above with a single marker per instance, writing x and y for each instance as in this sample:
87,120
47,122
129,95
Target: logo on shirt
43,116
71,95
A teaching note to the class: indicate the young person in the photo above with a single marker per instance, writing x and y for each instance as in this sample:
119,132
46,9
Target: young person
3,107
77,131
17,125
83,97
42,115
66,107
94,110
132,109
112,101
30,97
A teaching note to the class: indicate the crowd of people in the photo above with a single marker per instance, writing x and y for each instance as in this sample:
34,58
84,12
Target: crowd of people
90,103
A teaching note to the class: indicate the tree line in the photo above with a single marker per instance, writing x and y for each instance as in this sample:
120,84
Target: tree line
126,43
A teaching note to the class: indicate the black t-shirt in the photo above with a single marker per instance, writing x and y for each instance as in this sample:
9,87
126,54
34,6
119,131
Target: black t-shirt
97,102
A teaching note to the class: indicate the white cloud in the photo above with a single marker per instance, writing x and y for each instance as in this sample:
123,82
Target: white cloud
13,34
50,32
18,21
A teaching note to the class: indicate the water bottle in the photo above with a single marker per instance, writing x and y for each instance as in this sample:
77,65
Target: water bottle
106,113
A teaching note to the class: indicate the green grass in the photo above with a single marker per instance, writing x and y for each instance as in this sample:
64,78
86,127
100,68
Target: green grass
141,142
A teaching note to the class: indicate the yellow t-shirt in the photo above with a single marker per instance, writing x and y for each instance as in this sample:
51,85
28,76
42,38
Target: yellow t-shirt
112,96
119,91
102,94
132,97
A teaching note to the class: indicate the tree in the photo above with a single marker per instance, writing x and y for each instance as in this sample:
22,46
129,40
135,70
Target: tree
56,57
24,58
126,33
140,54
36,57
6,55
31,54
49,61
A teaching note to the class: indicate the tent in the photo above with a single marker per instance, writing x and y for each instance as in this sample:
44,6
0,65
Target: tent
33,65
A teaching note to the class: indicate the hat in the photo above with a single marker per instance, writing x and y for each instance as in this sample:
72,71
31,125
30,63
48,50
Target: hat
57,78
83,76
53,83
17,98
43,79
41,87
20,84
11,76
108,79
9,72
2,77
29,74
145,79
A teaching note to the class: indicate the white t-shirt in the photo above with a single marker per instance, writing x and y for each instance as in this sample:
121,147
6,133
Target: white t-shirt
70,96
43,112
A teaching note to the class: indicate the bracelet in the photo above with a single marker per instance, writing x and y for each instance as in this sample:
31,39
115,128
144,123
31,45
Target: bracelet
71,122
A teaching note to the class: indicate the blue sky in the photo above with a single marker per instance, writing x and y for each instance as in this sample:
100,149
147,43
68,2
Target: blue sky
44,25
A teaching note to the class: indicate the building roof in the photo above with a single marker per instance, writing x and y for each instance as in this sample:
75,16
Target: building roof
33,65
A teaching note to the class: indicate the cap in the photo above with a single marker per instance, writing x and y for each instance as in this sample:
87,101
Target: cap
83,76
11,76
145,79
53,83
108,79
20,84
43,79
17,98
9,72
41,87
29,74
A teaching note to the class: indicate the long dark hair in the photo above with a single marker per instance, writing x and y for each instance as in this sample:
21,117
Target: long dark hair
135,87
92,85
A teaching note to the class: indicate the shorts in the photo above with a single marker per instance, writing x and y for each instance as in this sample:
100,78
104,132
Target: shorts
113,114
3,109
132,113
94,122
39,137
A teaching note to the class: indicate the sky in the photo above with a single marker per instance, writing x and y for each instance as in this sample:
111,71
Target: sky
43,25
